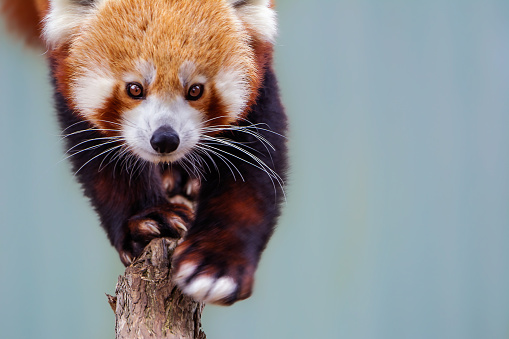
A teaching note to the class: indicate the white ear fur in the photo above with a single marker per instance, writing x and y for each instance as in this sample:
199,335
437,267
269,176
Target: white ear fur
65,17
257,16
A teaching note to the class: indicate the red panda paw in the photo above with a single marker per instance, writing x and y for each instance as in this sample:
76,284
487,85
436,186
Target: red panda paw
212,278
157,222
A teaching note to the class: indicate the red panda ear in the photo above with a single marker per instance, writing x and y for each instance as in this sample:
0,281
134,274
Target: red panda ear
258,16
65,17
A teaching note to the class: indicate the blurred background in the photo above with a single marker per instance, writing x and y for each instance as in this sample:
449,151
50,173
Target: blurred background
397,220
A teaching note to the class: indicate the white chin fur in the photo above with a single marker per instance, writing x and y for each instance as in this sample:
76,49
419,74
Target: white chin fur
141,122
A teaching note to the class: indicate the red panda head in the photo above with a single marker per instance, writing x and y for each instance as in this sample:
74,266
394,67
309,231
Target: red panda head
159,73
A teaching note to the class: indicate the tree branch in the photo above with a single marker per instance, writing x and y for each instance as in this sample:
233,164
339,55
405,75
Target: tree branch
149,305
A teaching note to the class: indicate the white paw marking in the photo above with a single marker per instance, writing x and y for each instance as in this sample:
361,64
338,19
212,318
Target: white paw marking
184,272
204,287
222,288
199,287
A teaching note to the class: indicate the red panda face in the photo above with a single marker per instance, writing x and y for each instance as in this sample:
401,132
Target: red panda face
159,73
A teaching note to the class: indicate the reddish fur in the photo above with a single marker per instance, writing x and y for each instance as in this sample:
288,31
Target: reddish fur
107,193
62,73
215,108
24,18
126,31
240,207
234,218
120,28
263,56
109,116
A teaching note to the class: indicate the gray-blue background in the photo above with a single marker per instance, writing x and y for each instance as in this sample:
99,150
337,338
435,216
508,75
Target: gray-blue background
397,221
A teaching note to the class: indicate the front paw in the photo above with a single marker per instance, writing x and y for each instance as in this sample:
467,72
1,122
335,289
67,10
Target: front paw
157,222
213,274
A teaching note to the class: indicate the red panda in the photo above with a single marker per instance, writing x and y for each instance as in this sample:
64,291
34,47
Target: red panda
175,128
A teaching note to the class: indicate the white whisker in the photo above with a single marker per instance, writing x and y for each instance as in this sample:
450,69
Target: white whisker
88,149
224,159
94,139
93,129
261,165
98,155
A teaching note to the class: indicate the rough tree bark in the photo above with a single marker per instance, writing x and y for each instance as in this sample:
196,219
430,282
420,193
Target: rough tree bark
147,302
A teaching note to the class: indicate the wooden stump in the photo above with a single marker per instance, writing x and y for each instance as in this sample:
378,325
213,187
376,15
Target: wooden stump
149,305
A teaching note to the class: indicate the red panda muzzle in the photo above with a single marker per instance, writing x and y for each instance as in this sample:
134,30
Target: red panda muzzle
165,140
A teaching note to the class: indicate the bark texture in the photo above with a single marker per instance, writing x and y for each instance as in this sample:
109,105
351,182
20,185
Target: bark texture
148,303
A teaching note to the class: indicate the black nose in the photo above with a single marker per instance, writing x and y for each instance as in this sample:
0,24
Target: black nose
165,140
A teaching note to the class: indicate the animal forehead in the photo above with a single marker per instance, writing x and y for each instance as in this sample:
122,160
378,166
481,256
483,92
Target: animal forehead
168,32
167,24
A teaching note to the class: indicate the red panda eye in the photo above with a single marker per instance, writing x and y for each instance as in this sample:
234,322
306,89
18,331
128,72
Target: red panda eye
195,92
135,90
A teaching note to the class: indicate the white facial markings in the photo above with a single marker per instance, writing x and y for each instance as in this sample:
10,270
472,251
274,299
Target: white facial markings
231,83
147,70
91,89
145,73
186,72
141,122
188,76
258,16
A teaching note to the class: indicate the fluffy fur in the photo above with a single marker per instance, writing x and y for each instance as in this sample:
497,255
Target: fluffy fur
172,116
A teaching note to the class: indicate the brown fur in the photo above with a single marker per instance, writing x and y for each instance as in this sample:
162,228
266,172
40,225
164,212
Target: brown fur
109,116
215,108
216,246
95,53
62,73
240,207
263,56
24,18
